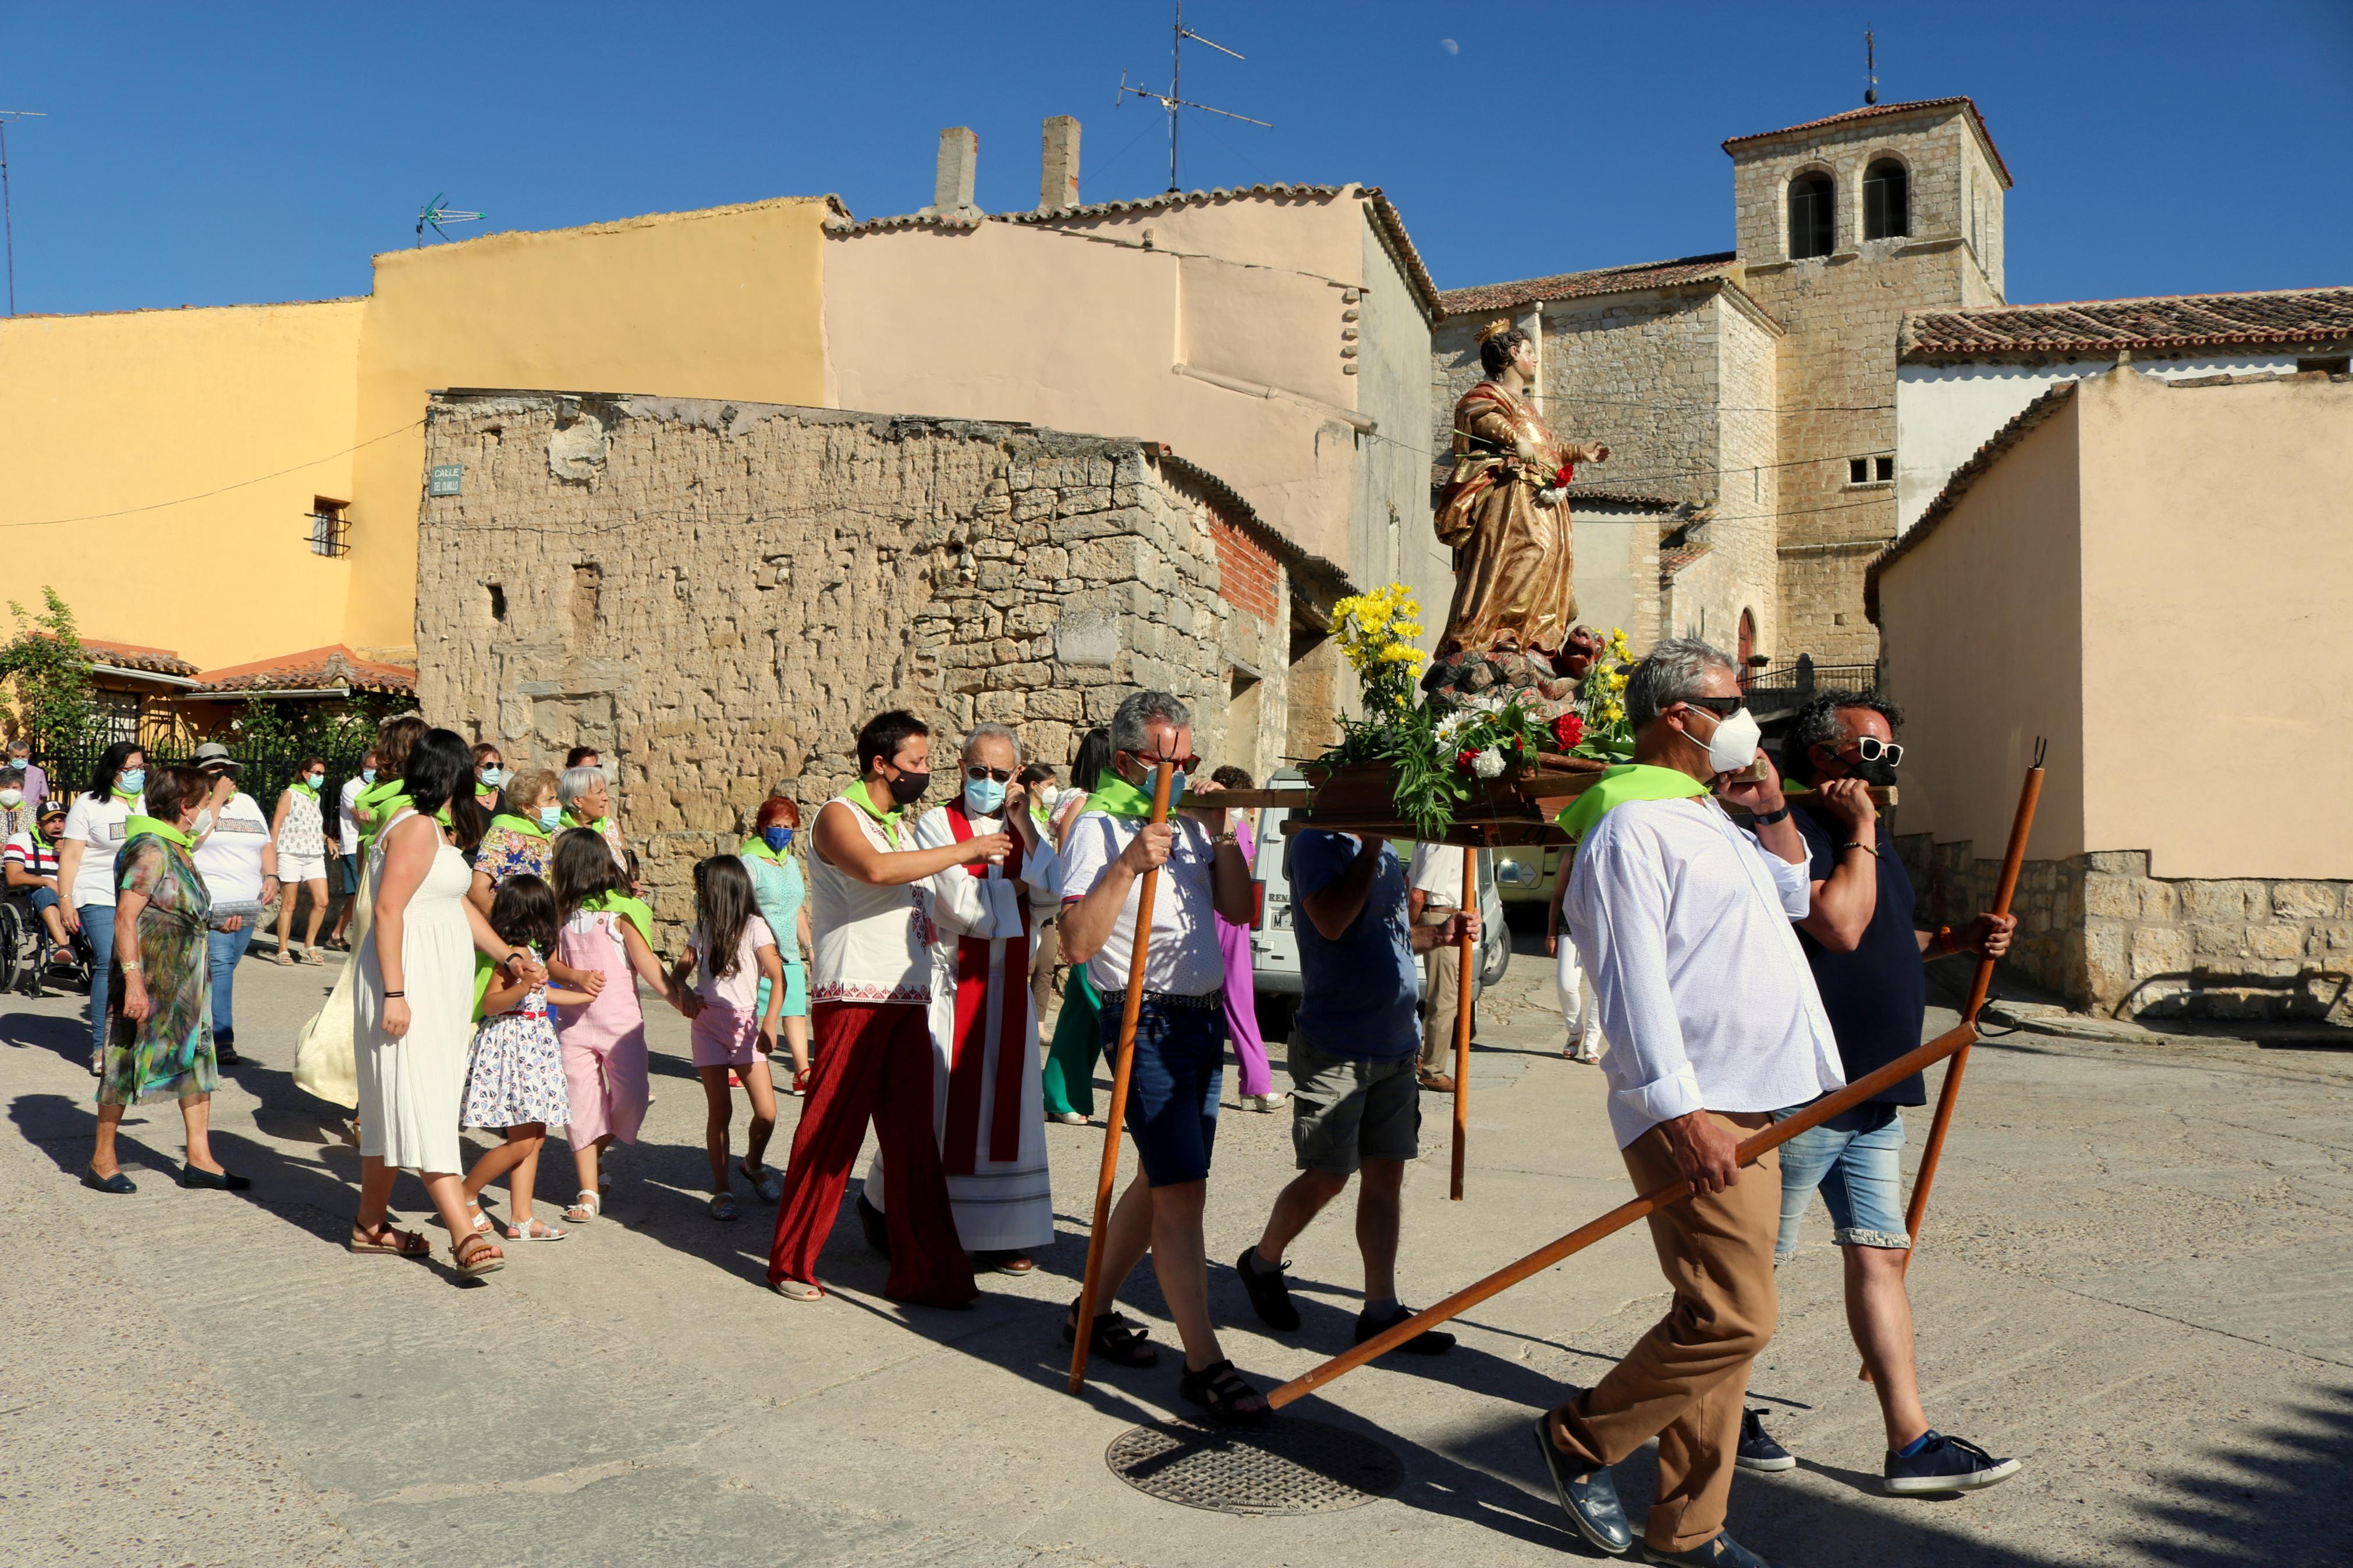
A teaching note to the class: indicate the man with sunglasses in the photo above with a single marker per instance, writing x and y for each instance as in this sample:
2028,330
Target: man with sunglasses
1180,1030
1867,956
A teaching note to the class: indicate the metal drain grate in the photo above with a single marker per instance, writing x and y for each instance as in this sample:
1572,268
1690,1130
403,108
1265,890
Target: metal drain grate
1285,1467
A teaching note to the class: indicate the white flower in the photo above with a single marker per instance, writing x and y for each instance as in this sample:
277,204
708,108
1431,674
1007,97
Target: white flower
1488,764
1453,724
1490,702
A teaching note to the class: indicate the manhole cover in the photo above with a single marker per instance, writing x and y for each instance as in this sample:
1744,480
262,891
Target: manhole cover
1285,1467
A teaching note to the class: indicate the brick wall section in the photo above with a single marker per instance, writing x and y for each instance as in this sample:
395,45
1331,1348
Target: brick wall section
1249,577
2103,933
770,577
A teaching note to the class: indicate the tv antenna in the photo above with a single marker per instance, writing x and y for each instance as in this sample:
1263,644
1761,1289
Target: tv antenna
1870,68
1169,100
433,214
7,207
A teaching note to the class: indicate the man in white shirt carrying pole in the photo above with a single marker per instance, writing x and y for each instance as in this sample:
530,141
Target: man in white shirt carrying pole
1714,1023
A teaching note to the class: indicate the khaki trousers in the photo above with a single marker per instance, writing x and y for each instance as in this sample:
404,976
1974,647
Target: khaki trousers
1684,1381
1045,958
1444,966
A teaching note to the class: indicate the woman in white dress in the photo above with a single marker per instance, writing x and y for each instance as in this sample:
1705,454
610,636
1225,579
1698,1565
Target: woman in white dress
413,1005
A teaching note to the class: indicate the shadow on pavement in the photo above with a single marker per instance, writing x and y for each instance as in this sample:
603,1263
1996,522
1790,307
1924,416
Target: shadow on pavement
69,1037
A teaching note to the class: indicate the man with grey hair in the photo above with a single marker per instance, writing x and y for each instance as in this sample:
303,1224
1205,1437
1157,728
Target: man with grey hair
987,1107
1180,1032
1714,1022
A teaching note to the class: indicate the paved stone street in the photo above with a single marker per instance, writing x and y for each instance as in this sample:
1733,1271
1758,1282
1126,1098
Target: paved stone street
2135,1278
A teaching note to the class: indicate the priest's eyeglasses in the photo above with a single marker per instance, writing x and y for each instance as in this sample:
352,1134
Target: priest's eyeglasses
975,772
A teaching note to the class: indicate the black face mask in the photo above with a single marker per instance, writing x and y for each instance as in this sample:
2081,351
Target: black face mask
1877,771
908,788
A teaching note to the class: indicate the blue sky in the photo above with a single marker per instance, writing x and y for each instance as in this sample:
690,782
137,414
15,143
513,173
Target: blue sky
215,155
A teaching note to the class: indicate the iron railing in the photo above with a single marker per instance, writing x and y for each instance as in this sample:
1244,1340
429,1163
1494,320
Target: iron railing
1792,685
269,765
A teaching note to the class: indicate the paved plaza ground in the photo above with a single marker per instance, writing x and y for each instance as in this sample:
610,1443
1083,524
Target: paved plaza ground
2135,1278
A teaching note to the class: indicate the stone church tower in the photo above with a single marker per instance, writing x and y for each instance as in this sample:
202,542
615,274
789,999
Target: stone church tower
1749,394
1844,225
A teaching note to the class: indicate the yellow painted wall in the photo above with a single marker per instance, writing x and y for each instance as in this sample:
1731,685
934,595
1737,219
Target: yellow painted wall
2217,577
725,302
132,415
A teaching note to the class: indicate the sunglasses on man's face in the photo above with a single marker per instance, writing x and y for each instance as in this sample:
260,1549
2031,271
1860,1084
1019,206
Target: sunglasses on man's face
1722,707
1188,763
975,772
1870,748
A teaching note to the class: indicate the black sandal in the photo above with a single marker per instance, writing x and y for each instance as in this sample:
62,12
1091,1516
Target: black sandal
1218,1389
1115,1339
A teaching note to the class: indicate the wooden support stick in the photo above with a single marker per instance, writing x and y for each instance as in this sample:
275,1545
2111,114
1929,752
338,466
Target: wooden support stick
1462,1020
1618,1218
1122,1063
2029,795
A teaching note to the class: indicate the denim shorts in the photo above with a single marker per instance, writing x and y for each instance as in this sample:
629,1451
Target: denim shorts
1857,1161
1173,1089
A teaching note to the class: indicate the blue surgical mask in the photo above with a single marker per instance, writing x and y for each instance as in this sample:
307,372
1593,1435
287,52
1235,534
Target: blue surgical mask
778,837
131,780
367,775
493,777
983,797
549,816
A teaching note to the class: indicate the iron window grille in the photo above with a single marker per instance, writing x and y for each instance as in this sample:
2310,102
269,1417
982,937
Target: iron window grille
331,530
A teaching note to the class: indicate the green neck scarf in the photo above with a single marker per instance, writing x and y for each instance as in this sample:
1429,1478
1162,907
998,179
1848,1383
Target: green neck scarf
1616,786
521,824
306,787
860,796
138,824
634,910
757,847
1116,796
121,794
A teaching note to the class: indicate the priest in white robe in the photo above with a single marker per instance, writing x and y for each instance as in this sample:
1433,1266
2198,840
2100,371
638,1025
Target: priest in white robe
986,1103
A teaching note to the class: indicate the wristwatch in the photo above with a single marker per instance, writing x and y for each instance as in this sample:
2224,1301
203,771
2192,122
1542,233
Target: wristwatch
1768,818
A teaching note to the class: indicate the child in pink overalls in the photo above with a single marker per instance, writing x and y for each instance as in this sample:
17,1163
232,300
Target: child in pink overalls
609,934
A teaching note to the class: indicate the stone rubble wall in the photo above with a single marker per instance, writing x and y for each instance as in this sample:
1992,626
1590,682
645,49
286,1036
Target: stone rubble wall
2100,931
719,595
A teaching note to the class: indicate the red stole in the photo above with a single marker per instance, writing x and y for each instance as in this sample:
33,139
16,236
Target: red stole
968,1049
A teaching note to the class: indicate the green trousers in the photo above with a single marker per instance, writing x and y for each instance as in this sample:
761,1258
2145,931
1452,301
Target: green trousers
1070,1074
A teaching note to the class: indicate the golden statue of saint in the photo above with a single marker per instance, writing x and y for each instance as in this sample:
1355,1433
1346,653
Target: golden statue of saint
1506,511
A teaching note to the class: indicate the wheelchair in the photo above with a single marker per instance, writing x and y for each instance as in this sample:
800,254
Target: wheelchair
26,966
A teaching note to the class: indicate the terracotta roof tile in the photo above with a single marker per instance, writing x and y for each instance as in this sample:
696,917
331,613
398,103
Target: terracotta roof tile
135,655
318,668
1597,280
1877,112
1674,561
2165,322
1968,474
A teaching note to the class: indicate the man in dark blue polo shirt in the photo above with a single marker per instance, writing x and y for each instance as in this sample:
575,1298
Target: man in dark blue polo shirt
1355,1101
1868,962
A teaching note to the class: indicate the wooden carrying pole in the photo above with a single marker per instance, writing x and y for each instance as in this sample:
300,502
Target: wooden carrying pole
2029,795
1463,1019
1122,1063
1624,1214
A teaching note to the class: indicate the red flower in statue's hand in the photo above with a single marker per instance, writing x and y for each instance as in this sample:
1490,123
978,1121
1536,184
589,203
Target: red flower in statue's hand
1568,730
1567,472
1462,763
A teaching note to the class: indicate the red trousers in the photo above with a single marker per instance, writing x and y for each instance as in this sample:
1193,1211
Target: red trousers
872,1061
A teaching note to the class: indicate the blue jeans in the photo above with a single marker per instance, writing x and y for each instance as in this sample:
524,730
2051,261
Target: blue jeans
225,948
1857,1161
98,928
1173,1089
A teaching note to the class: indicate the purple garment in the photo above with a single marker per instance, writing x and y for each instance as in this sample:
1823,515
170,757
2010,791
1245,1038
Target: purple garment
1241,993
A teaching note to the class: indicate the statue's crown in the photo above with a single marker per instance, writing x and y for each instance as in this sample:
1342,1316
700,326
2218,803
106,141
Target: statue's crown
1495,328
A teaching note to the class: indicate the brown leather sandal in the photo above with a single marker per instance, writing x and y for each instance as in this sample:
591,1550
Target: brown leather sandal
468,1253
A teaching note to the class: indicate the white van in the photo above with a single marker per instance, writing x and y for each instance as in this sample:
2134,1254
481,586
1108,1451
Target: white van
1274,946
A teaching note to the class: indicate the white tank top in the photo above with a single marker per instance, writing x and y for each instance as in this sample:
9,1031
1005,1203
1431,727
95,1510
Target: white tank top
872,944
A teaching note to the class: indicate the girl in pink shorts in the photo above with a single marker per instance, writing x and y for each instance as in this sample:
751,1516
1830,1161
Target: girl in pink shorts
735,951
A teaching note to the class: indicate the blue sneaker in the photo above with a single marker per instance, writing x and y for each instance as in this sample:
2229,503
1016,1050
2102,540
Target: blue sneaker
1942,1464
1758,1451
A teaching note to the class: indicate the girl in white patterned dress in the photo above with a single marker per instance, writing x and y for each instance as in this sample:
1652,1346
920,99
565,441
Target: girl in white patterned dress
515,1073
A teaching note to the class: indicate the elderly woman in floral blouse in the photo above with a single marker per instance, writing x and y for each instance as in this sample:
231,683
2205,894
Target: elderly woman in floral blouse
160,1032
521,837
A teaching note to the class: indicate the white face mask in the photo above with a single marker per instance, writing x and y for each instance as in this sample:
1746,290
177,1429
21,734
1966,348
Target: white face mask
201,825
12,797
1734,744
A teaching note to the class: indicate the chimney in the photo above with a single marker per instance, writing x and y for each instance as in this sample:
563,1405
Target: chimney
1058,176
952,186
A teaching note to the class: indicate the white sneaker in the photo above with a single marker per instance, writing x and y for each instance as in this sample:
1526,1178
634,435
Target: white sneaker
1269,1102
